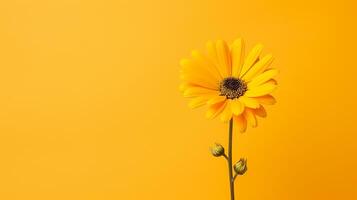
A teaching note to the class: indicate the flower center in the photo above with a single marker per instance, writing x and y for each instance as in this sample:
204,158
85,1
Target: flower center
232,87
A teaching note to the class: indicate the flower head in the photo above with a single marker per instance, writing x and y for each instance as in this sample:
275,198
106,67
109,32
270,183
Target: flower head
233,86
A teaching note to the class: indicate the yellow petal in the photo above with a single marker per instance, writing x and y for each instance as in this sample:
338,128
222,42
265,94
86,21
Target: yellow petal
266,99
249,102
186,65
237,107
262,78
193,68
215,109
198,101
257,68
237,57
261,112
190,67
241,123
261,90
192,73
183,86
212,54
197,79
250,117
224,56
272,81
226,114
251,58
197,91
204,62
216,99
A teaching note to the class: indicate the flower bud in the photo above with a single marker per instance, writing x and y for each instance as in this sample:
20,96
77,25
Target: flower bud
217,150
241,166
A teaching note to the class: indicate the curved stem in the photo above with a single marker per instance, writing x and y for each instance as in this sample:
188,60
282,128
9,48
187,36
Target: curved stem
225,156
235,176
230,165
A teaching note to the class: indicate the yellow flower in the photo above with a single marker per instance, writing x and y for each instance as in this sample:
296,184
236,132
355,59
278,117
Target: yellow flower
233,86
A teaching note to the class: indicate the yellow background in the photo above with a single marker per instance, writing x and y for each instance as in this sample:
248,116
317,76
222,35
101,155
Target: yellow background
90,107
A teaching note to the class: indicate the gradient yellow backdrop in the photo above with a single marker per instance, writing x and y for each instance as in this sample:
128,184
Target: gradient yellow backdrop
90,107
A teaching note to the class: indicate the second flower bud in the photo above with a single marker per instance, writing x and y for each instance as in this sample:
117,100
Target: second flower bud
241,166
217,150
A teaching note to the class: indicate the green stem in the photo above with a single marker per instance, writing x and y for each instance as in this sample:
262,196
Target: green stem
230,164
